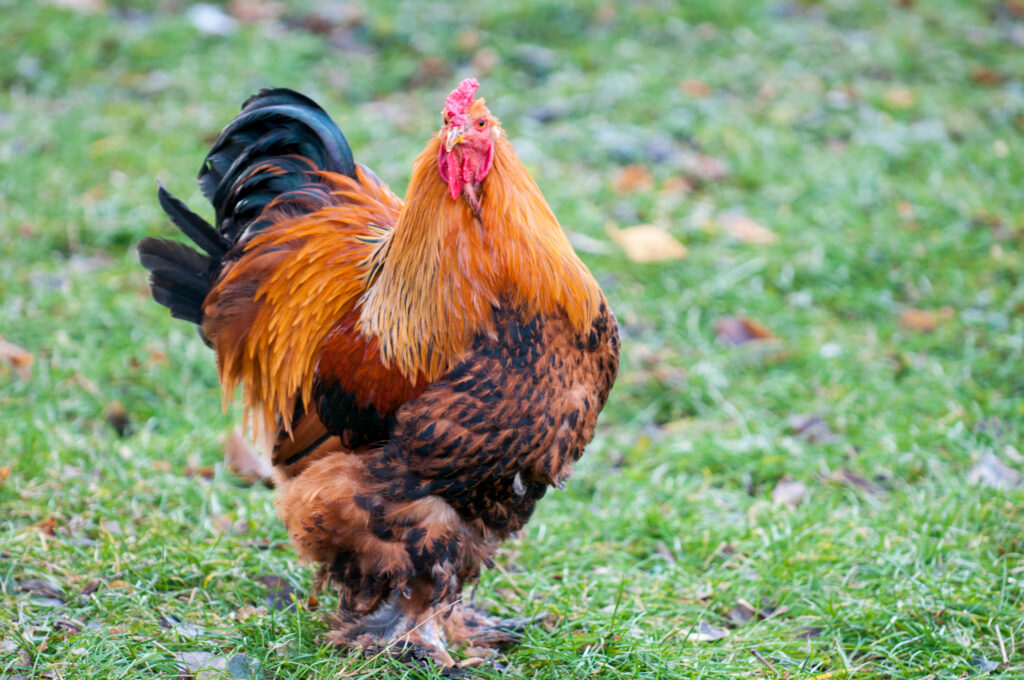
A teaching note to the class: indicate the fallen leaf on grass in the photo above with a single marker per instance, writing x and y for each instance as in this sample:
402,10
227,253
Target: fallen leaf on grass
22,656
676,185
647,243
245,461
91,586
789,492
739,330
697,89
254,11
632,179
706,633
43,588
67,627
121,585
851,478
990,471
246,611
746,230
81,6
5,472
17,358
242,667
280,593
808,633
920,320
984,665
200,665
183,628
742,612
204,471
988,77
812,428
899,98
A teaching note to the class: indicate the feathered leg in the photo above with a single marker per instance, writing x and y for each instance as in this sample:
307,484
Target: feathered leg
399,565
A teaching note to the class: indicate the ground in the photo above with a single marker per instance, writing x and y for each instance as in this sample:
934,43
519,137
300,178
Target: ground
852,476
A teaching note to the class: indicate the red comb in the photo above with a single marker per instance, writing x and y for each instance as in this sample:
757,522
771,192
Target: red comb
459,100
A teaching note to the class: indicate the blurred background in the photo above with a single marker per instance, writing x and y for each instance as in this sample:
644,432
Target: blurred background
808,217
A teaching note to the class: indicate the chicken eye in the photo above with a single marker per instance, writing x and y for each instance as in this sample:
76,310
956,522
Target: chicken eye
482,123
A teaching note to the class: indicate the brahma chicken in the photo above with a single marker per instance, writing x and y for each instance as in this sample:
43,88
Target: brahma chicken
420,372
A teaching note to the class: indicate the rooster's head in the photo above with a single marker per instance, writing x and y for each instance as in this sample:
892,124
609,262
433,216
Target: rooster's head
468,132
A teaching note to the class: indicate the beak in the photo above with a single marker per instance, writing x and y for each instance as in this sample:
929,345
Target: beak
455,136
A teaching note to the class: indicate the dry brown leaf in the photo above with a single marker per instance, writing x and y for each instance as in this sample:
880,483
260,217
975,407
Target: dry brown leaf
17,358
845,476
82,6
746,230
42,588
899,98
789,492
647,243
246,611
632,179
5,472
254,11
204,471
697,89
121,585
813,428
245,461
280,593
742,612
920,320
739,330
677,185
988,77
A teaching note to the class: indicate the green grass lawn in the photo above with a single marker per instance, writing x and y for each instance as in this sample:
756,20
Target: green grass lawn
881,142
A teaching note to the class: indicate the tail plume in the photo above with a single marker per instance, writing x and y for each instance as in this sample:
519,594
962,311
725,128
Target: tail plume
272,152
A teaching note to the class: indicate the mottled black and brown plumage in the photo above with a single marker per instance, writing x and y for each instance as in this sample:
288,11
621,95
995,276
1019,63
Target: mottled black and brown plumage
421,372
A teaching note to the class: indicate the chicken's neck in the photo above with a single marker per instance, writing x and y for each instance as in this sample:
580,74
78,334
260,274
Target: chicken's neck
444,269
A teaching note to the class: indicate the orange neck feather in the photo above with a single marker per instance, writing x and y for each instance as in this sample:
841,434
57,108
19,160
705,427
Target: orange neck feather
443,271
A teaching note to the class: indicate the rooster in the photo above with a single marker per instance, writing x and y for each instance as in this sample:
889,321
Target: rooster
420,372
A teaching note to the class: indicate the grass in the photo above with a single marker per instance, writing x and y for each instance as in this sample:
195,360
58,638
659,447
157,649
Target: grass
880,141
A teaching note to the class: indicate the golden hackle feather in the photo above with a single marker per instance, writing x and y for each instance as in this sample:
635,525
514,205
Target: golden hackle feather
445,270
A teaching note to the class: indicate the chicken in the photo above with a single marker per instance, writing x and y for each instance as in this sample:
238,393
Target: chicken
420,372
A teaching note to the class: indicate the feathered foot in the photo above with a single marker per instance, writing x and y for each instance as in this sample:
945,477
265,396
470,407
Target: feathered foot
475,628
390,631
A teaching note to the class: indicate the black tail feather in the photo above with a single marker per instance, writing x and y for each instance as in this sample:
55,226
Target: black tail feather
179,276
192,225
272,151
